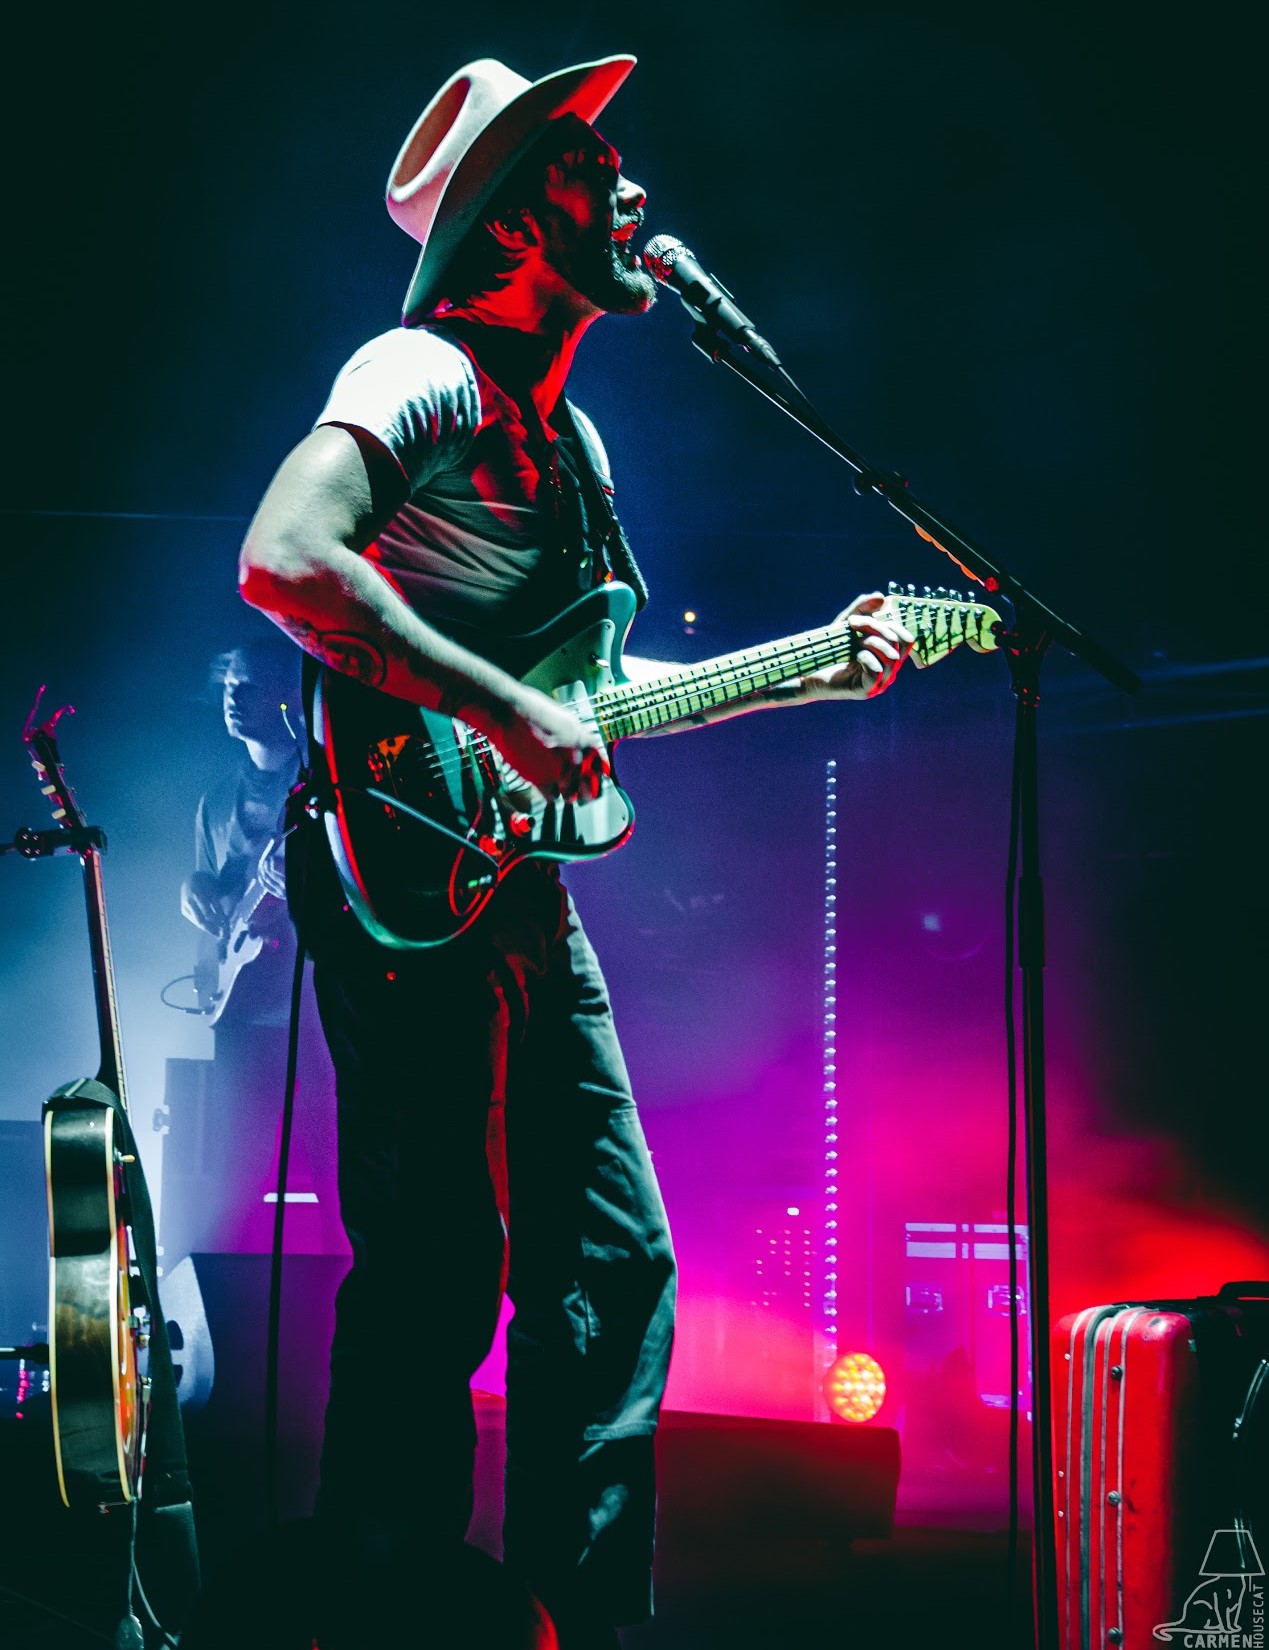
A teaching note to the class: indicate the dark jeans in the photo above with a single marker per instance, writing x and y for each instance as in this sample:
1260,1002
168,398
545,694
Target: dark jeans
482,1092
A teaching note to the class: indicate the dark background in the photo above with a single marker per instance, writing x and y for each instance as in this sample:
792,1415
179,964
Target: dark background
1005,252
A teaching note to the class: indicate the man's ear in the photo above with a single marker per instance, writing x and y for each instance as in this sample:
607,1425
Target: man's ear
513,231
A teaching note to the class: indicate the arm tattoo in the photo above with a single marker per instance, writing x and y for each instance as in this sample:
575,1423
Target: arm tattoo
344,651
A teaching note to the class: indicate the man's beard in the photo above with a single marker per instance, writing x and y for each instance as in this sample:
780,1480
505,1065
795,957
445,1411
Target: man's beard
606,272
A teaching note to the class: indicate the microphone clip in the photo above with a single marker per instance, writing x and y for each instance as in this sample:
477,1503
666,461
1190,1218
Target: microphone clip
708,341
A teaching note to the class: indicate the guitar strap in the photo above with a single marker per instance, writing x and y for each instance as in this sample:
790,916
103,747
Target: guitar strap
613,552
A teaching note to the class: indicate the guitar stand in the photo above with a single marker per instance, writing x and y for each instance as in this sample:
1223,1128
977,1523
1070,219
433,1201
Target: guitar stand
74,839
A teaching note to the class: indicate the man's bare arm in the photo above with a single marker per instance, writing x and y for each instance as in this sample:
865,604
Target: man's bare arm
301,565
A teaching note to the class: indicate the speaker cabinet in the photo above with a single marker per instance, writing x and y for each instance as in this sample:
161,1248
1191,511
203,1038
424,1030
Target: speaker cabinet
217,1312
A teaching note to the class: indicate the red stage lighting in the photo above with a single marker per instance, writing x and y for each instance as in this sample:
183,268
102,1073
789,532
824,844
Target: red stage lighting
855,1386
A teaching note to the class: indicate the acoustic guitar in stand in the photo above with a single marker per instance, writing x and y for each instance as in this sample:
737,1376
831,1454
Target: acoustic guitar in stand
99,1301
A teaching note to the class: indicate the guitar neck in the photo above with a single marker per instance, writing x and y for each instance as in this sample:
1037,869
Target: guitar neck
639,707
41,742
110,1071
938,623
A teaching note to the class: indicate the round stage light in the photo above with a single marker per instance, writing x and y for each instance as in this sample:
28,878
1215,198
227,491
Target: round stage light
855,1386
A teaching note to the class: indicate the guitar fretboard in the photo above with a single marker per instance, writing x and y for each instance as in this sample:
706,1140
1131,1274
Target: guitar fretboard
111,1069
938,621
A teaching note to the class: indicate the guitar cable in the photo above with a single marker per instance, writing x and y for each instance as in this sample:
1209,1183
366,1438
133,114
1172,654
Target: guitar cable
181,1008
272,1498
168,1639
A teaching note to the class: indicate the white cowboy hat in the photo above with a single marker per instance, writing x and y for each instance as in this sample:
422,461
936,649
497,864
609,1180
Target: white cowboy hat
466,141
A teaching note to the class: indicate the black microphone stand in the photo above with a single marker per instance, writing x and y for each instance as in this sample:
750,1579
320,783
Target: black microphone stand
1035,629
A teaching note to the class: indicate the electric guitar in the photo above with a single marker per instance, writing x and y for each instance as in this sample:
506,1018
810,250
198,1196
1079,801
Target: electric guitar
98,1314
221,961
425,817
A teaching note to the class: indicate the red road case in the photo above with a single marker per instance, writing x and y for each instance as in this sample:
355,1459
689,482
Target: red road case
1161,1462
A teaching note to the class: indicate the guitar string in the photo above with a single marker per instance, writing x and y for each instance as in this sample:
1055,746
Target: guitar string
635,700
644,699
665,690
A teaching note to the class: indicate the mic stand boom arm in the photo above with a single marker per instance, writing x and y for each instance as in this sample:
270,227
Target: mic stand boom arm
1035,628
971,558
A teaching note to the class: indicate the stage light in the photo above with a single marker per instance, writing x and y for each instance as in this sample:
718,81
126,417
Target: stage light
855,1386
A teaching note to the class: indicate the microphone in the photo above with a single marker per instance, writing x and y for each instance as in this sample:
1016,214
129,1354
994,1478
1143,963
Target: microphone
706,299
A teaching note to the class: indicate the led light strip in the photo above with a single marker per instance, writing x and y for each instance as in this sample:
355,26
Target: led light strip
828,1305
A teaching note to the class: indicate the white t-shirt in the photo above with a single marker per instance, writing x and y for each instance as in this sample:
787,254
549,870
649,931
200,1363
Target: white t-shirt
479,540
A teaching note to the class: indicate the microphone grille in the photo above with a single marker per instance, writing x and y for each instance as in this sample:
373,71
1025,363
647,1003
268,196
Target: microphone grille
661,254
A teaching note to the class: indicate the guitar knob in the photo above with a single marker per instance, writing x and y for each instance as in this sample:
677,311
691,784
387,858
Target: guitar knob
520,824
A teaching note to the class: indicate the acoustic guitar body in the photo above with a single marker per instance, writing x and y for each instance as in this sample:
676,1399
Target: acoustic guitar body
97,1386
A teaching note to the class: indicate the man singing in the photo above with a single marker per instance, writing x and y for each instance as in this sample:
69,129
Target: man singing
485,1115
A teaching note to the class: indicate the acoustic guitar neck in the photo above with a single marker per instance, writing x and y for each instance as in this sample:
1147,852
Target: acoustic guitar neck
41,743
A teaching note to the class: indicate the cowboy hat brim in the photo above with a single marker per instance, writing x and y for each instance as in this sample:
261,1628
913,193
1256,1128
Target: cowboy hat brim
583,90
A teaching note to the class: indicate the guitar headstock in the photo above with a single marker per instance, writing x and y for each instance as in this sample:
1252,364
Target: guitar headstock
40,739
941,620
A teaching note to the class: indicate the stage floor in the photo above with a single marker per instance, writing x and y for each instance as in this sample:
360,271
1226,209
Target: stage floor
744,1581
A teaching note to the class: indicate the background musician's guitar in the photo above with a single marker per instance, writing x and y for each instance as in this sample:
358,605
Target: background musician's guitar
250,924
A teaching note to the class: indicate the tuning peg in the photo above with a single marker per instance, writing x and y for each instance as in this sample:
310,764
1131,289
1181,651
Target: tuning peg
32,731
29,727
